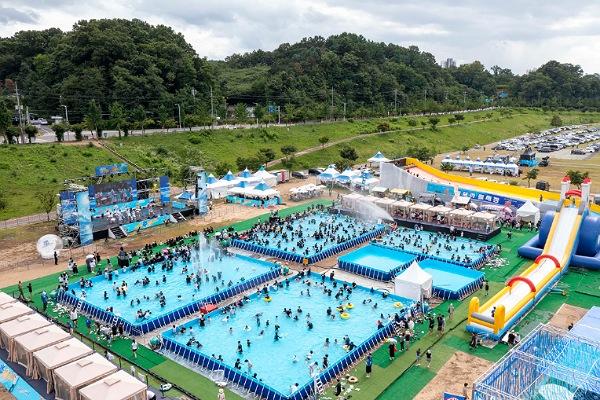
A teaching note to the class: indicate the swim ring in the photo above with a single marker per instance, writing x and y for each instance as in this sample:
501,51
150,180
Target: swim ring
398,304
350,306
345,315
267,299
352,379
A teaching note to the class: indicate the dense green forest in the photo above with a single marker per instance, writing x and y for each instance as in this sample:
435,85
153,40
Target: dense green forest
117,73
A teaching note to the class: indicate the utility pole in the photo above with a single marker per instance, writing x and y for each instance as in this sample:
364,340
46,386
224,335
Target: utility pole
279,115
465,98
212,112
179,114
194,94
395,101
66,113
344,111
425,96
331,101
19,111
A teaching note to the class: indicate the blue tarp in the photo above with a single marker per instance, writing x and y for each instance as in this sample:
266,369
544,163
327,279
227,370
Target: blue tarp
588,327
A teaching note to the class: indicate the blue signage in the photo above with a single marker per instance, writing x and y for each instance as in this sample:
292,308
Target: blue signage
201,193
439,188
450,396
165,189
491,198
113,169
68,206
84,217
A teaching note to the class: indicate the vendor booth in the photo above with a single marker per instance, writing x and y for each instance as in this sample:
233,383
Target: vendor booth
483,221
413,283
69,378
13,310
25,345
329,174
528,213
400,209
418,211
48,359
18,326
118,386
438,214
263,175
377,159
460,218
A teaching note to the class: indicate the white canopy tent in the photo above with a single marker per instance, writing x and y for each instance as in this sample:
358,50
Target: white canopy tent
347,175
349,200
329,174
413,283
385,203
219,188
263,175
27,344
246,176
18,326
529,213
49,358
118,386
13,310
263,190
69,378
6,298
378,158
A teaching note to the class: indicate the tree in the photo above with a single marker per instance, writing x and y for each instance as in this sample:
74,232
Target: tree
459,117
451,120
531,174
383,126
5,120
163,116
423,124
556,121
323,140
59,131
31,132
117,114
577,177
433,121
266,154
288,149
93,118
349,153
343,164
446,167
77,128
259,113
421,153
240,113
412,122
139,116
222,168
46,201
464,149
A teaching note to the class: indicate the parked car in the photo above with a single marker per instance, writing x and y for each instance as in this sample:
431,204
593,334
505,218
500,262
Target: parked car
315,171
578,151
542,185
300,174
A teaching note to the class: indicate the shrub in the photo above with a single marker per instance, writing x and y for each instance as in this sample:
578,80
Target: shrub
194,140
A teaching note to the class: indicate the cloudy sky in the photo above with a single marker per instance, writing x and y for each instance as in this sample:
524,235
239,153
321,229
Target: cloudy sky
520,35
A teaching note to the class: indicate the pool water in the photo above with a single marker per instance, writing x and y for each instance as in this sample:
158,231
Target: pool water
379,258
330,230
208,264
15,385
449,276
272,360
451,248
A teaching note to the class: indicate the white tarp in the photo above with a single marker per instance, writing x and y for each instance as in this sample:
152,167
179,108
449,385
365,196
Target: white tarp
413,283
118,386
528,212
69,378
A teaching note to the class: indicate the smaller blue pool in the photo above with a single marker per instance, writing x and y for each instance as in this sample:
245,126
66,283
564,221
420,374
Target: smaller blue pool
451,281
376,262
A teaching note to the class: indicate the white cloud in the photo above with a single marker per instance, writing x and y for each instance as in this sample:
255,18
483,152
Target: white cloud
511,33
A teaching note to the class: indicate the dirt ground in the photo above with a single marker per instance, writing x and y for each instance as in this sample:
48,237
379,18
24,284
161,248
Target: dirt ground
460,368
567,314
19,260
560,162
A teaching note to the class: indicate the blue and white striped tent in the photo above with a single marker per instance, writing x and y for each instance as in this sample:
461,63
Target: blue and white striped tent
378,157
245,173
229,176
329,174
211,179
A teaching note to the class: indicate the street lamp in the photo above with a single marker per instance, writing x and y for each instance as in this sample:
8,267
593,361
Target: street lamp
66,113
179,114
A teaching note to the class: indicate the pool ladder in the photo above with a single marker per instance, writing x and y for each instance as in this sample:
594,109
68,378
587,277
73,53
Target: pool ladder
319,387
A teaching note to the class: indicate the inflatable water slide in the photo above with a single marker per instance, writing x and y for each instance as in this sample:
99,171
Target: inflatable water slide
522,292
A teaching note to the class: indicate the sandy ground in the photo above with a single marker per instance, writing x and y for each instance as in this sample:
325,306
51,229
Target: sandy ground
560,162
566,315
19,260
460,368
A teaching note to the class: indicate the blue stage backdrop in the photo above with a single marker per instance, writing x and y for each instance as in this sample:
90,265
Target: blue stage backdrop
106,194
114,169
439,188
68,205
202,193
165,189
85,218
491,198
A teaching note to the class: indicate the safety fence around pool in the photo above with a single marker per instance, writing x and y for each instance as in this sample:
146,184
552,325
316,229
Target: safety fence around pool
98,314
447,294
263,390
377,274
298,258
482,259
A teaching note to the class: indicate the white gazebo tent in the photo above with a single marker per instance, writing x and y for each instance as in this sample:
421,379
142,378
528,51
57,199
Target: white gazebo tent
418,210
413,283
349,200
69,378
400,208
263,190
460,217
219,188
46,360
329,174
347,175
436,211
6,298
378,158
385,203
118,386
246,176
18,326
529,213
483,220
36,340
264,175
13,310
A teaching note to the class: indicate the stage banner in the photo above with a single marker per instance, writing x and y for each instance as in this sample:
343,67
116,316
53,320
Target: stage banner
147,223
202,193
114,169
68,206
491,198
450,396
165,189
439,188
84,218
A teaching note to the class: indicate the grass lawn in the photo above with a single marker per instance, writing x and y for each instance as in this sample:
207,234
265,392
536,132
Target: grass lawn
30,169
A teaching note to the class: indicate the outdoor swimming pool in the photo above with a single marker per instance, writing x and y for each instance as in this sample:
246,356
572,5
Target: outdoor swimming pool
376,262
451,281
273,360
453,249
210,273
15,385
313,236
